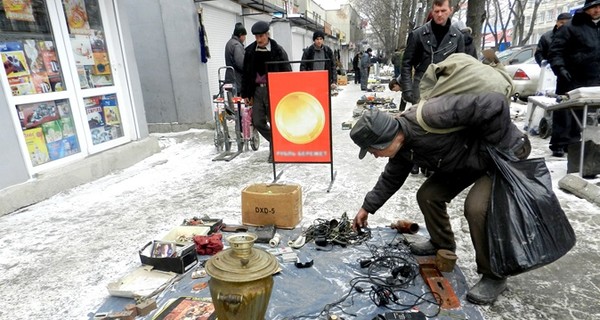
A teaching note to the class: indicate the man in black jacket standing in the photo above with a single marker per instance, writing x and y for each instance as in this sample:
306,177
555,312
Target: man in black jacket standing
429,43
459,159
575,59
254,78
356,67
543,46
319,51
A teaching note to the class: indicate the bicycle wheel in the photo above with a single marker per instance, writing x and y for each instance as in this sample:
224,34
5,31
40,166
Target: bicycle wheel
255,139
219,137
226,137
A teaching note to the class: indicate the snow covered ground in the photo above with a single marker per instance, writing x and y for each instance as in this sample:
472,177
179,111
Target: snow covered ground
57,256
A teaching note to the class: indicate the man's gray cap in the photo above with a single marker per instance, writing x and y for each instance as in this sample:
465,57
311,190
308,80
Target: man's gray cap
260,27
375,129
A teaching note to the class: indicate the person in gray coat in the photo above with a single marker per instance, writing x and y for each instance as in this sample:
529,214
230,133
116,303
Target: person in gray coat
234,57
459,160
365,64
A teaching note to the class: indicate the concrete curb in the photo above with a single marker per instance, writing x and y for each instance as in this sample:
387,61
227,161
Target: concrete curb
580,187
50,183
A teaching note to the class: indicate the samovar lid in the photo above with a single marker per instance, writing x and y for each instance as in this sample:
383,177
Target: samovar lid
241,262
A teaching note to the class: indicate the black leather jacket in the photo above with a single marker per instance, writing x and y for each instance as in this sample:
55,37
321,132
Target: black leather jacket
422,49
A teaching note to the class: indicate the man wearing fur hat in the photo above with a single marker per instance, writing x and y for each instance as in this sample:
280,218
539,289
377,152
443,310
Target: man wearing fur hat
234,57
575,59
459,159
254,77
319,51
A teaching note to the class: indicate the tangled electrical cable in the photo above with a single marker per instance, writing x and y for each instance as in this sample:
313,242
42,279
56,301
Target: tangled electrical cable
391,269
325,232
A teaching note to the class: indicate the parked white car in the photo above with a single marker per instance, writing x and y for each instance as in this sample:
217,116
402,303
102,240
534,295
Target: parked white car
525,77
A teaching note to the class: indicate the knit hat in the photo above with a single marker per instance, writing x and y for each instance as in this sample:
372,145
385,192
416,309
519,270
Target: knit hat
375,129
564,16
260,28
239,30
318,34
590,3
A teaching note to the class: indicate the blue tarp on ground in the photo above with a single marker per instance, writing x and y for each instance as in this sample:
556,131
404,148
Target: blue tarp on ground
307,291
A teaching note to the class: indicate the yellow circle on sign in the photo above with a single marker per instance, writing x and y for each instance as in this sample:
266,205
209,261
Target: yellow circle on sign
300,117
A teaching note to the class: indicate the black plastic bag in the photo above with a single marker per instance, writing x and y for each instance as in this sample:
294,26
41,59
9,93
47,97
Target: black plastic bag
526,226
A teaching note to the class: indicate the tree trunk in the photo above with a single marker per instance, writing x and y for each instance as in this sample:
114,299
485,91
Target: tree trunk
475,19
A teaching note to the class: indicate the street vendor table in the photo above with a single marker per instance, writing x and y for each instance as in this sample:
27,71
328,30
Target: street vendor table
586,104
304,293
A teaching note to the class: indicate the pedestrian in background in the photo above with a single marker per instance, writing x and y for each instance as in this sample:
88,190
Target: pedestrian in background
234,57
575,59
365,64
429,43
467,31
254,78
460,159
319,51
543,46
356,67
397,61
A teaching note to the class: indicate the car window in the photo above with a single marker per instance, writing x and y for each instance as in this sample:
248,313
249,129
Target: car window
504,55
522,56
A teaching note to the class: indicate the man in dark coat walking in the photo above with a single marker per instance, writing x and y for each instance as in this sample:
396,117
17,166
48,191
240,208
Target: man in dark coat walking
458,158
254,78
575,59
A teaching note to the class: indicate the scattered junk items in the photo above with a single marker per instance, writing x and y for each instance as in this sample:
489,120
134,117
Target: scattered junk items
142,282
169,256
331,232
231,111
439,285
208,245
189,307
367,102
241,279
214,224
347,125
405,226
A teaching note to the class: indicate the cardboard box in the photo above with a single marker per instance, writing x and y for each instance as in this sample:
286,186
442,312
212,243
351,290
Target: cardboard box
278,204
186,257
342,80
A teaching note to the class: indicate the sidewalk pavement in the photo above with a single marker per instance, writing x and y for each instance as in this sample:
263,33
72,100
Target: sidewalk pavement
58,255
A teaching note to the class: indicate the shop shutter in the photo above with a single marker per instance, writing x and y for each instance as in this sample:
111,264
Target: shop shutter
297,42
219,26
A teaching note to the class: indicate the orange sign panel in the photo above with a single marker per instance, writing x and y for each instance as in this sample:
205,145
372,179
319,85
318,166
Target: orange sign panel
300,116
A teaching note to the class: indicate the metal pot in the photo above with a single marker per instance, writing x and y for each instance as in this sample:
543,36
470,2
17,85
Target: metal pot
241,279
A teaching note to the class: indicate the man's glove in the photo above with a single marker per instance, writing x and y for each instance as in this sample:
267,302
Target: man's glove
565,74
408,96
